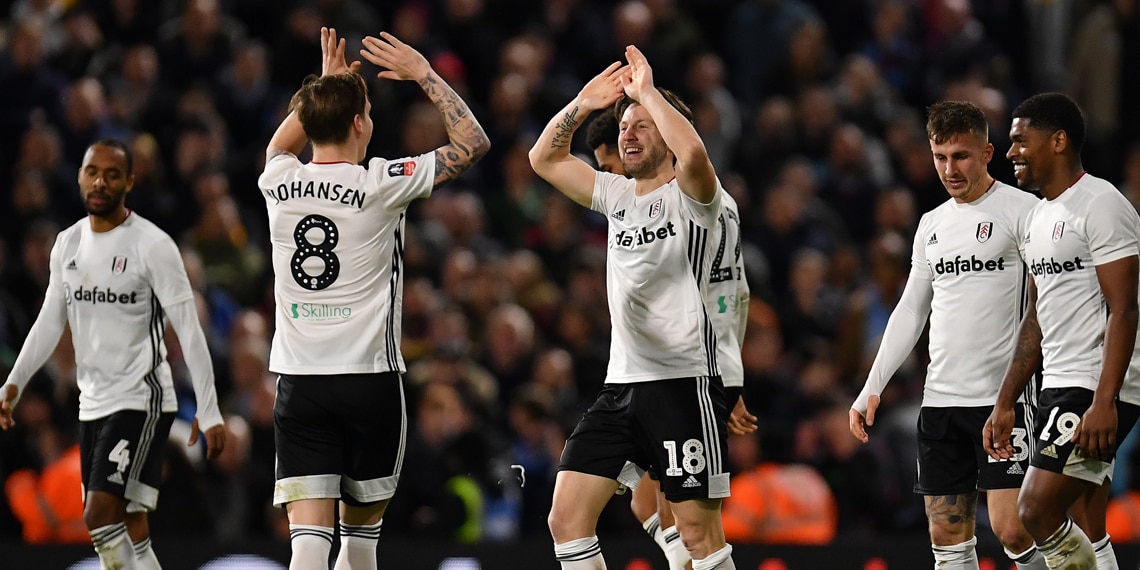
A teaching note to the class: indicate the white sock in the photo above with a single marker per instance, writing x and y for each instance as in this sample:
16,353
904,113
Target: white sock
1068,549
719,560
311,546
580,554
144,556
1105,556
358,546
674,548
114,547
1031,559
960,556
652,527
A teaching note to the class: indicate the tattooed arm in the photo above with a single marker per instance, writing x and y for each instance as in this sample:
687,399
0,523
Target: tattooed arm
467,140
1026,360
550,156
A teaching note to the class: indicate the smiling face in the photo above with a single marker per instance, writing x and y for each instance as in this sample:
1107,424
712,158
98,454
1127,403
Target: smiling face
1030,153
961,162
104,181
643,151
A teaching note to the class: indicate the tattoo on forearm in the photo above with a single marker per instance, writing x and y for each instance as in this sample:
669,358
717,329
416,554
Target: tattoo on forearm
1027,353
566,129
952,510
468,140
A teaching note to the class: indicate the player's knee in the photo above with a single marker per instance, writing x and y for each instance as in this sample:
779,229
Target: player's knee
1014,538
562,527
1038,516
642,509
99,513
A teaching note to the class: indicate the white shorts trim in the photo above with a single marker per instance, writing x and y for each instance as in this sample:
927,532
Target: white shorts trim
306,487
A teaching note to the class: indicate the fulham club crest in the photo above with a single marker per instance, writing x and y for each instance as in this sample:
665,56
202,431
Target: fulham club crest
118,265
1058,231
655,209
984,231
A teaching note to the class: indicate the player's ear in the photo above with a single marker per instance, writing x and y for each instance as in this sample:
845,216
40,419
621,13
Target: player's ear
358,123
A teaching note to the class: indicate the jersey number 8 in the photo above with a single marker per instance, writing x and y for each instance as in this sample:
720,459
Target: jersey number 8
322,251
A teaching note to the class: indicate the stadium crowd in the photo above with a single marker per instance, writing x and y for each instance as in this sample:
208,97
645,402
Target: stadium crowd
812,112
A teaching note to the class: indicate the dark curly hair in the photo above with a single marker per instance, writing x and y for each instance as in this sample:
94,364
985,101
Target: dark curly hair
1052,112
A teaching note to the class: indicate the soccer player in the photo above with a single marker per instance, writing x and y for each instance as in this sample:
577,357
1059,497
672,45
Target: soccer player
726,299
115,279
663,404
967,277
337,230
1081,245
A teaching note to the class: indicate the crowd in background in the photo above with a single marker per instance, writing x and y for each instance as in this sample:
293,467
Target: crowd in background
813,115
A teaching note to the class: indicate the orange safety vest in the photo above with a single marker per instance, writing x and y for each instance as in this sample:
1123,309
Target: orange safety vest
1122,520
780,504
50,506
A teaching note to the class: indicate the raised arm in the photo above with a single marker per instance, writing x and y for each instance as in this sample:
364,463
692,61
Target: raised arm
695,174
550,156
467,141
290,136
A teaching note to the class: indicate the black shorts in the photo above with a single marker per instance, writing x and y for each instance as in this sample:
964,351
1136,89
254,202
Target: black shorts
675,428
121,454
339,436
1059,413
952,460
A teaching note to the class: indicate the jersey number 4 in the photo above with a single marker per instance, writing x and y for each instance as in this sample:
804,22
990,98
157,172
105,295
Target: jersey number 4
322,250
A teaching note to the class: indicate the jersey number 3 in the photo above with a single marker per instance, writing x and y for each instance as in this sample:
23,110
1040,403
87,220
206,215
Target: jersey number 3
322,250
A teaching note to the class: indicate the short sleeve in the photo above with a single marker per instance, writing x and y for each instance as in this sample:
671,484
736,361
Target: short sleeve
705,214
606,185
402,180
274,172
1111,226
166,273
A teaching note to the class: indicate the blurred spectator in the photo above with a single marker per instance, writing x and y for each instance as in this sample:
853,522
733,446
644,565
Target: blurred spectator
773,502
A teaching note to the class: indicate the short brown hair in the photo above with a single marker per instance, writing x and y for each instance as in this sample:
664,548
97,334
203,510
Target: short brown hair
674,100
949,119
326,106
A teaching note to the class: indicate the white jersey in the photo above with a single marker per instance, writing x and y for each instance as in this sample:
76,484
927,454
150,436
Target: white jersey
726,298
967,253
337,237
1089,224
656,274
111,288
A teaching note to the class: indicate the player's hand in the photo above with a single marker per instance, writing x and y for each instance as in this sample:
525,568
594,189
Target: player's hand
639,80
997,433
10,393
215,439
740,422
400,60
1096,434
859,423
332,54
604,89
